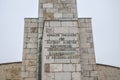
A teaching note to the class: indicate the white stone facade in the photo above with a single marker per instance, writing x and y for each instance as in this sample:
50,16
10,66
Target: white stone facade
58,45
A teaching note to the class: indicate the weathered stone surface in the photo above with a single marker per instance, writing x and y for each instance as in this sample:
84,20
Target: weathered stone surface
58,15
93,73
68,67
30,57
32,45
53,23
48,5
30,69
30,62
10,71
34,35
63,76
78,67
55,67
62,61
49,76
66,42
76,76
30,79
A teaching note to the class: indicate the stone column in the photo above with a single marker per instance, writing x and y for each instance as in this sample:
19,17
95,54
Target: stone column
88,63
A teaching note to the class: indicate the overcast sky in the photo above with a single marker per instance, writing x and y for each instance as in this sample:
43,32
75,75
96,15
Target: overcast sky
105,16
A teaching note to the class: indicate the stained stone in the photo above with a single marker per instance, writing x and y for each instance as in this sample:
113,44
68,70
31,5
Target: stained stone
48,5
55,67
49,76
68,67
76,76
63,76
78,67
58,15
58,45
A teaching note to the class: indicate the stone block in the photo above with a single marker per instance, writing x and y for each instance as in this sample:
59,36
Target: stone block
88,20
87,67
83,25
30,20
86,73
26,29
84,50
27,20
40,29
26,39
48,16
85,45
91,50
32,45
49,76
31,68
93,73
73,10
75,23
32,74
85,60
73,30
78,67
33,51
61,30
29,78
68,67
66,23
26,51
89,30
50,60
76,76
31,56
24,45
30,62
62,61
82,30
55,67
68,15
47,5
81,20
34,20
23,68
55,23
32,25
32,35
33,39
33,30
92,61
57,15
25,35
63,76
75,61
47,67
91,56
88,78
24,74
47,23
52,10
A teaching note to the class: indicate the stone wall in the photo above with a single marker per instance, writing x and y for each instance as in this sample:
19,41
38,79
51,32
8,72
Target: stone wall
88,62
106,72
30,50
10,71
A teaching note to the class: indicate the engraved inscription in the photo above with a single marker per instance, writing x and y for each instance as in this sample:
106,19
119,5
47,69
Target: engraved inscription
61,45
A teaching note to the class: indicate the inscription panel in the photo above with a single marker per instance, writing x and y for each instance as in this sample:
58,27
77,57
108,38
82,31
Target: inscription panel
60,47
60,42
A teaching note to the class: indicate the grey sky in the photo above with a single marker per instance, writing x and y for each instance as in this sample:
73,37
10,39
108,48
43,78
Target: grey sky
105,17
